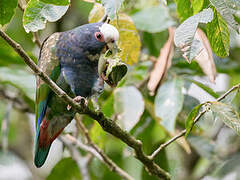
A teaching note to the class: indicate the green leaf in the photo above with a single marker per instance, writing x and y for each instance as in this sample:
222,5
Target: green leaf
128,105
22,80
107,107
153,19
227,114
184,34
57,2
184,9
112,7
168,102
98,135
190,119
66,169
38,13
204,87
218,35
197,5
227,14
7,10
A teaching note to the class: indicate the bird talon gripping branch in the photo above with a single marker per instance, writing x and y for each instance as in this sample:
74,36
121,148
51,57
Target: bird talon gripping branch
81,100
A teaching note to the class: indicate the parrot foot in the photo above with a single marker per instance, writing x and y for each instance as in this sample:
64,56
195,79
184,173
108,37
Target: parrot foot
79,99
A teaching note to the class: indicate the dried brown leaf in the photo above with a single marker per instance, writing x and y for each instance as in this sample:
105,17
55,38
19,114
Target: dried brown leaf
205,57
163,63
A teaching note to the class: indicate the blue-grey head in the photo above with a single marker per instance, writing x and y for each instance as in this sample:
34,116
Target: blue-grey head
93,38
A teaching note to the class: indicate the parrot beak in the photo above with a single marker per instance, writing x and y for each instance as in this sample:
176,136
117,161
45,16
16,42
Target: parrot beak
112,46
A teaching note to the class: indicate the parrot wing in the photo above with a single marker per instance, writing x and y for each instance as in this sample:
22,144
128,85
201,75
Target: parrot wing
49,64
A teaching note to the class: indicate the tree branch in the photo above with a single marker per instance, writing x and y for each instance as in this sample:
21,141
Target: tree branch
107,124
112,166
81,161
182,133
17,102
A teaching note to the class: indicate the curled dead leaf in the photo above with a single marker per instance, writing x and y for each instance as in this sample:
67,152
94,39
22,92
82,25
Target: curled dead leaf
163,63
205,57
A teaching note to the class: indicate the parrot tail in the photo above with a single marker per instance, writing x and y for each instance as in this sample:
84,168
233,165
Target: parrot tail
41,156
43,142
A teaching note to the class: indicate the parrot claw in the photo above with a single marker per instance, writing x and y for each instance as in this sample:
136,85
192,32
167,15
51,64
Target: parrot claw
79,99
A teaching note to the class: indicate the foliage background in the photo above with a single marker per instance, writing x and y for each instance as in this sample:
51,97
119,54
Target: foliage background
211,150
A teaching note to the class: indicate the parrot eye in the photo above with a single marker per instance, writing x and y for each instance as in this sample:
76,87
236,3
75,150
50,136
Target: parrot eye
99,36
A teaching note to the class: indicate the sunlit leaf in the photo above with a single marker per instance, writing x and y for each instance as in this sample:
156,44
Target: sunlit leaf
20,79
184,9
107,107
218,35
38,13
98,135
129,40
128,105
190,119
153,19
7,10
112,7
226,13
56,2
168,102
184,34
66,169
227,114
197,5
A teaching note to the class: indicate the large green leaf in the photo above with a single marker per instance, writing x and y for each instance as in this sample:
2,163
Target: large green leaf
20,79
227,114
184,9
226,13
66,169
184,34
128,105
57,2
38,13
7,10
168,102
153,19
218,35
112,7
197,5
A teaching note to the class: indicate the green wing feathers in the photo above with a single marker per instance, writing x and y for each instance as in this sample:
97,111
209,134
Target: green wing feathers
49,64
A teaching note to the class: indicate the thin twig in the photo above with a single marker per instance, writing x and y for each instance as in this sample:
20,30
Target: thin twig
36,39
81,161
107,124
112,166
182,133
17,102
5,128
